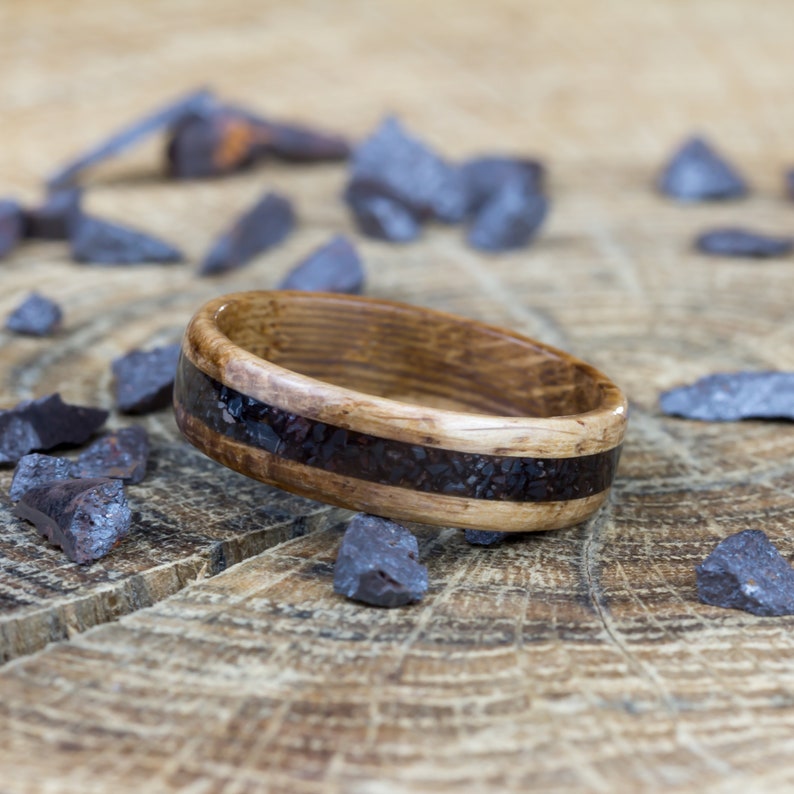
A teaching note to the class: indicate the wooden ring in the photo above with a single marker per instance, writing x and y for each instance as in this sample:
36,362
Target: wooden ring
398,410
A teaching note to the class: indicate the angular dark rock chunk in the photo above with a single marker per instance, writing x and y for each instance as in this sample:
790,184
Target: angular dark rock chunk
158,121
697,172
789,179
45,423
745,571
395,165
300,144
101,242
263,226
382,218
483,537
56,218
484,176
121,456
86,518
509,219
35,470
217,142
377,563
743,243
144,379
11,225
730,396
333,267
36,316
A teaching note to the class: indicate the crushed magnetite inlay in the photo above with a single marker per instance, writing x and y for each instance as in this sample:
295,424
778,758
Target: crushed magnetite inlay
352,454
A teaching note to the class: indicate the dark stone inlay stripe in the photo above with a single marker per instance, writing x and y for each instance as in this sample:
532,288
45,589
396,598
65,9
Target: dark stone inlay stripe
384,461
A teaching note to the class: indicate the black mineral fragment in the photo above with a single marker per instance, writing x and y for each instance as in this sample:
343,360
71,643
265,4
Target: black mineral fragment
745,571
393,164
730,396
333,267
300,144
121,455
261,227
789,180
378,563
484,176
737,242
35,316
697,172
35,469
56,217
382,218
11,225
86,518
484,537
509,219
158,121
45,423
101,242
144,379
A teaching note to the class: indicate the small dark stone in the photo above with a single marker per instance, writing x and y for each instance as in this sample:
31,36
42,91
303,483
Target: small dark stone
263,226
395,165
217,142
86,518
36,316
789,179
144,379
333,267
382,218
745,571
743,243
56,218
696,172
730,396
11,225
484,176
509,219
377,563
121,456
101,242
483,537
296,143
35,470
45,423
158,121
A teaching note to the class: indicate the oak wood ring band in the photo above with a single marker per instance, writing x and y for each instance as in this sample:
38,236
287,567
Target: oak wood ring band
398,410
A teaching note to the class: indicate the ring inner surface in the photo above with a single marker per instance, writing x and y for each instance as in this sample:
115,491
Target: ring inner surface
408,354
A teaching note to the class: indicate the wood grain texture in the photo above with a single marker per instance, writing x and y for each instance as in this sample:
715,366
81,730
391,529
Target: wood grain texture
570,661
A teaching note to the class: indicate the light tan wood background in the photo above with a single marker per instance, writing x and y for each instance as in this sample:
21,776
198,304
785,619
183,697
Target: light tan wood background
578,660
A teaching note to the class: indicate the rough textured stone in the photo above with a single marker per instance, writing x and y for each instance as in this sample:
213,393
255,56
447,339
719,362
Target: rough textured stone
333,267
509,219
378,563
745,571
130,135
144,379
738,242
260,228
45,423
121,455
101,242
382,218
484,176
86,518
697,172
301,144
484,537
11,225
393,164
35,470
730,396
35,316
56,217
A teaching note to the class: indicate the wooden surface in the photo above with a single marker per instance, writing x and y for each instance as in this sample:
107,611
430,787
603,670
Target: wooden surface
571,661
